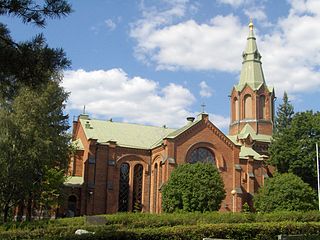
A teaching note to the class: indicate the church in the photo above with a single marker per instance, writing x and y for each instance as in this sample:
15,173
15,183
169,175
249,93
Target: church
119,167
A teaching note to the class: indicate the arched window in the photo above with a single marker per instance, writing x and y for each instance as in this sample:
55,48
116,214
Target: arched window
262,107
247,106
124,188
236,109
201,155
137,188
155,187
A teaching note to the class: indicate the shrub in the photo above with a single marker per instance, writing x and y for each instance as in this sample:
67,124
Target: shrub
193,187
285,192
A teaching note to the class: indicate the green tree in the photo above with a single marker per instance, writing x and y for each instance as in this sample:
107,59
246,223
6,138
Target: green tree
193,187
35,11
33,135
285,192
285,113
293,148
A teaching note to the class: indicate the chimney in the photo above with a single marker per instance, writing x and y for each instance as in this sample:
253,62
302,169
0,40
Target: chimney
190,119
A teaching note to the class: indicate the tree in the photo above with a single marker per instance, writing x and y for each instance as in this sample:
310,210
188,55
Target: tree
285,113
293,148
33,128
35,150
193,187
285,192
35,11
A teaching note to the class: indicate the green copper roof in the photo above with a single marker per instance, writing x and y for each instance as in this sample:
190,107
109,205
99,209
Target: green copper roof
184,128
74,181
248,130
124,134
245,152
251,72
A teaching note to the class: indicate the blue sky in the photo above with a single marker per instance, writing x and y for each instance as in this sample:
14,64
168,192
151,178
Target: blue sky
156,61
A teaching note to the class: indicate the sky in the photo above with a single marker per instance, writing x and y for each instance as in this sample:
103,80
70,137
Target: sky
155,62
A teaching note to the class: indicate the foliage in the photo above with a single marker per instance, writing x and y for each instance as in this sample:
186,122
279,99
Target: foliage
182,226
293,148
34,143
193,187
285,192
35,11
284,114
33,138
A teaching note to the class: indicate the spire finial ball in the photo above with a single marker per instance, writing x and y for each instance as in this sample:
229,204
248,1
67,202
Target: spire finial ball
251,24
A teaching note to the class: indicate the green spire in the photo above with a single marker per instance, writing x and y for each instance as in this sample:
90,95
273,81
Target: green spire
251,72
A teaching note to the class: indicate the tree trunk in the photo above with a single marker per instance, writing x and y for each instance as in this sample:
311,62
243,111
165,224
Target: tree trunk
5,213
20,211
29,209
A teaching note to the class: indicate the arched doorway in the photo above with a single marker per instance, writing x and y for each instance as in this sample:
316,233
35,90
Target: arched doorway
123,203
202,155
137,188
72,206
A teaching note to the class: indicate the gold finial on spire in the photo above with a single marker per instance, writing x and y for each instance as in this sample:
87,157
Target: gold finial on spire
251,24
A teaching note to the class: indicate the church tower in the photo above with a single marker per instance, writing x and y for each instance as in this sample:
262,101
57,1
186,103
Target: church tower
252,101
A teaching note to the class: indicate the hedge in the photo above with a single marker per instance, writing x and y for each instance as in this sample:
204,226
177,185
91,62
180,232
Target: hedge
263,231
171,226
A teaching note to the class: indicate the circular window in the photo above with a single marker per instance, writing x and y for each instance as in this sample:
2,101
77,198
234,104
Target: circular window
201,155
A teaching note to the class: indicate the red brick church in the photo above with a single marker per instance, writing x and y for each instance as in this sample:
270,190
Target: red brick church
121,166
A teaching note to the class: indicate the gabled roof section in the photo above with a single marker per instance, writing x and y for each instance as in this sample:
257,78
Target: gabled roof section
247,131
245,152
124,134
251,72
179,131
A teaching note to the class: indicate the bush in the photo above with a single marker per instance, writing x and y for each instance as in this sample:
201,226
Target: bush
193,187
285,192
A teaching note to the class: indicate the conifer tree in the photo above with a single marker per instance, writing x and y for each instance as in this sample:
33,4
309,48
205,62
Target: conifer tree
285,113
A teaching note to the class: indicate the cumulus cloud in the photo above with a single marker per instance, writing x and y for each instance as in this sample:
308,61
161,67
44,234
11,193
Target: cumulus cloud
234,3
291,52
205,90
219,121
189,45
113,94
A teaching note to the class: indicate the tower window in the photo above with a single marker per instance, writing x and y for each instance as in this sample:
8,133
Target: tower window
262,107
235,109
248,106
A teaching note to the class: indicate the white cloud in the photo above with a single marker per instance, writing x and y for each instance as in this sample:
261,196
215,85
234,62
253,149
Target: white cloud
220,121
189,45
111,25
113,93
291,52
234,3
205,90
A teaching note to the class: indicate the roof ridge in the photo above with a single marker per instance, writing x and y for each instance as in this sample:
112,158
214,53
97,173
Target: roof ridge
129,123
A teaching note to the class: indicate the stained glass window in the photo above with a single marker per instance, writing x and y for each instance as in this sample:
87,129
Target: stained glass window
124,187
201,155
137,188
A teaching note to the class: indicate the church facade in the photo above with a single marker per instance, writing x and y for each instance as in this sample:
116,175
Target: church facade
122,166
